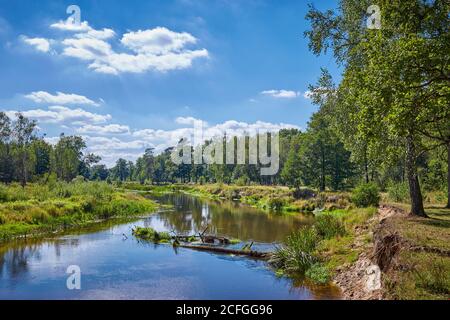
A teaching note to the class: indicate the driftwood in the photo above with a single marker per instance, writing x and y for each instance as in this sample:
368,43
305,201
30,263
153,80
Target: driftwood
250,253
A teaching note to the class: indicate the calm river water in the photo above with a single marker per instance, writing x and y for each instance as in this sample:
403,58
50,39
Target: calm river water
115,265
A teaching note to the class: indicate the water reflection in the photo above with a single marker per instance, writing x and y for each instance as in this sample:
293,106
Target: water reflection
118,267
228,218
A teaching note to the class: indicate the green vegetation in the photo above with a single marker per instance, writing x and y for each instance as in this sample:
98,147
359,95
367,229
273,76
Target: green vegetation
366,195
317,251
296,255
423,273
150,234
56,206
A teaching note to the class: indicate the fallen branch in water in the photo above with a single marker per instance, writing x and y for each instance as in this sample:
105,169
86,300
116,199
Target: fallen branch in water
250,253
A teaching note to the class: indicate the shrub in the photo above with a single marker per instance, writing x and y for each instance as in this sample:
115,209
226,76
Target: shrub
398,192
318,273
4,197
296,255
329,226
275,204
366,195
151,235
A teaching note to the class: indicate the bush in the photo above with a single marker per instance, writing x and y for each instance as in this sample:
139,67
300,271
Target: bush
150,234
296,255
398,192
366,195
275,204
318,273
329,226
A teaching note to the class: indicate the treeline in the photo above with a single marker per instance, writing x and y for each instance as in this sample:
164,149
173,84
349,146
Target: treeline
25,157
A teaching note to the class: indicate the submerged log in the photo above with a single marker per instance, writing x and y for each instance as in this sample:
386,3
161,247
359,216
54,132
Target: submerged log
250,253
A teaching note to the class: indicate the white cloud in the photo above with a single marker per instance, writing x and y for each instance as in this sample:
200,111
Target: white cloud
60,98
187,120
281,94
68,25
158,49
104,130
60,114
40,44
157,41
132,144
168,138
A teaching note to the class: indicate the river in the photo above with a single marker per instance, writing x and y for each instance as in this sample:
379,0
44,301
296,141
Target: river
116,265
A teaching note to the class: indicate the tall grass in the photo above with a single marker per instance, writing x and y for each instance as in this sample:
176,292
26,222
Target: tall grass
296,255
52,206
329,226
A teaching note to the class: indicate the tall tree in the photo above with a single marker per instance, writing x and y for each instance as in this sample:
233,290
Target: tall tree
396,78
6,161
68,157
23,135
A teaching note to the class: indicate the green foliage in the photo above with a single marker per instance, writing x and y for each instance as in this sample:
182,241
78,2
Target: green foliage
275,204
318,273
328,226
41,208
398,192
435,278
296,255
366,195
151,234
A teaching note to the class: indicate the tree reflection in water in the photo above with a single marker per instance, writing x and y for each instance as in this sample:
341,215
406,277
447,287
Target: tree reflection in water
191,215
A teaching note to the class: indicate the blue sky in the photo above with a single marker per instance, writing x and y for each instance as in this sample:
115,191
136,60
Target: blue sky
134,73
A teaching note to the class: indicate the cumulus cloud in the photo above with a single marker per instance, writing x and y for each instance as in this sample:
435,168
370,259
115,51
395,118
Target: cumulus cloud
114,141
158,49
109,129
60,98
281,94
157,41
198,131
60,114
69,25
40,44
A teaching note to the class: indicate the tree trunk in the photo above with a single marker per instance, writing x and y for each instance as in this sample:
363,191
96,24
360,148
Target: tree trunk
413,180
448,176
366,166
322,174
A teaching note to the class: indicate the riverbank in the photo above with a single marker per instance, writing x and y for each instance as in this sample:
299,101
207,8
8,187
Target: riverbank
55,207
412,253
273,198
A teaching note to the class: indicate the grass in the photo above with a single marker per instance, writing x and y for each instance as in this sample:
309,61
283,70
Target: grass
422,274
150,234
48,208
271,198
296,255
318,251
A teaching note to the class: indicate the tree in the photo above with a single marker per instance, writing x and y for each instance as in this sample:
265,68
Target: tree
42,153
292,170
99,172
395,79
68,157
23,135
121,170
6,161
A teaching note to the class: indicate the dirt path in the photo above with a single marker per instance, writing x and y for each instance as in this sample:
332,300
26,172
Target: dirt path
362,280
